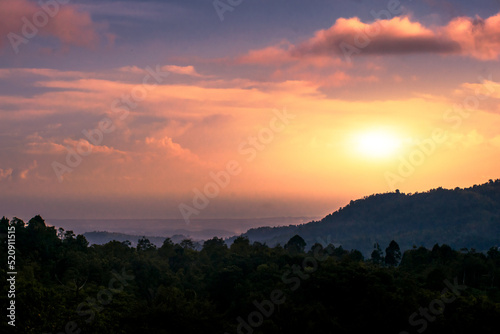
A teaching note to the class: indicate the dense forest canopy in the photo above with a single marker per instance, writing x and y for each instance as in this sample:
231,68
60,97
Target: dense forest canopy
63,285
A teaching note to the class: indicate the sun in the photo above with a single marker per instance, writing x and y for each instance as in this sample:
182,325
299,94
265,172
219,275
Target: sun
377,144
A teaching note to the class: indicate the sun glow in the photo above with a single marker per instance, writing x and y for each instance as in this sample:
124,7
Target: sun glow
377,144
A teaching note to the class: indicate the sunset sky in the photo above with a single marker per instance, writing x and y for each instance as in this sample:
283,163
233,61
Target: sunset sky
131,109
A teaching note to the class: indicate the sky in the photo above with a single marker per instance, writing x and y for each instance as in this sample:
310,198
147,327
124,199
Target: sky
242,108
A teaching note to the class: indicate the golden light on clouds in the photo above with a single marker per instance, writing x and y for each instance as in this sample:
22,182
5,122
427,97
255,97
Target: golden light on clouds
185,114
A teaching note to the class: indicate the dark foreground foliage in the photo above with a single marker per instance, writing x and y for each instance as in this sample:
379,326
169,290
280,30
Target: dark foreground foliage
65,286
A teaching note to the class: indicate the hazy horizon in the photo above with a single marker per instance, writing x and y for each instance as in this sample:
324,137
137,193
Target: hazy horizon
208,228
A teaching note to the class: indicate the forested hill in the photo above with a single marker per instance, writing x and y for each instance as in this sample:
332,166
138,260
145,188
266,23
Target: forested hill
461,218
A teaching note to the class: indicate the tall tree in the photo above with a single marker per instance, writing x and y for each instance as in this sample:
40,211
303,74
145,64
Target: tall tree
392,254
377,254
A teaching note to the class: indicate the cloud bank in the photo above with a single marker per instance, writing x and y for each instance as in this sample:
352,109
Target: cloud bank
471,37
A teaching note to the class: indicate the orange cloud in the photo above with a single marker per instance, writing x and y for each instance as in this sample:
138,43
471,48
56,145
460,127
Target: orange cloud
131,69
64,22
172,149
272,55
16,174
24,173
284,54
86,145
479,38
38,145
398,35
184,70
5,173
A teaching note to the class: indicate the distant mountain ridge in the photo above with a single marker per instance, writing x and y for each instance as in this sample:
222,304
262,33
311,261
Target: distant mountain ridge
461,218
165,227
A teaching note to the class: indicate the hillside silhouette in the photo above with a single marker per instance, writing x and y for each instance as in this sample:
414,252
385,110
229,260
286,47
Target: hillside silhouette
461,218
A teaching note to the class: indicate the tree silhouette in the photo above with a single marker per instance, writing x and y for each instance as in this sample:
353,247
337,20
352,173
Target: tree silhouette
144,245
187,244
377,254
392,254
296,244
